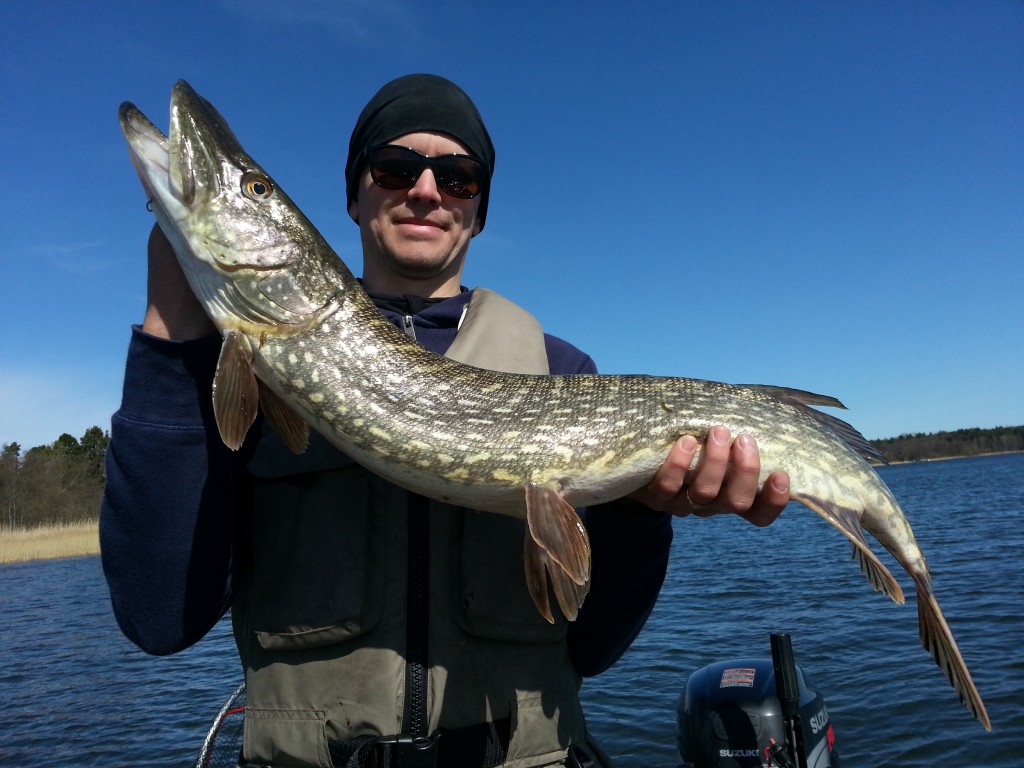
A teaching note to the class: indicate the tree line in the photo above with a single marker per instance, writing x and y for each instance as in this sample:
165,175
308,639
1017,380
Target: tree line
52,484
63,482
944,445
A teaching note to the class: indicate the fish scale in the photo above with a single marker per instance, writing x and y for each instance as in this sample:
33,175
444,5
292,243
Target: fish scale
304,342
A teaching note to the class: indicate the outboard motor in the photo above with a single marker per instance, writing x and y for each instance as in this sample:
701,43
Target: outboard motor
754,713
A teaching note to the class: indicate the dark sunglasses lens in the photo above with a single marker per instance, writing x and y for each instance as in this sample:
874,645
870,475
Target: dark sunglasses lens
395,167
458,176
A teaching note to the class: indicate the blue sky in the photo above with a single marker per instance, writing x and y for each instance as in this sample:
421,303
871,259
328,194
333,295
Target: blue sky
826,195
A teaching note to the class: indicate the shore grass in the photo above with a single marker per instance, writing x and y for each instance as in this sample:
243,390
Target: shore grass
18,545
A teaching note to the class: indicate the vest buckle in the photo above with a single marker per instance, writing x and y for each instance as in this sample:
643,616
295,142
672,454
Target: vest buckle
411,751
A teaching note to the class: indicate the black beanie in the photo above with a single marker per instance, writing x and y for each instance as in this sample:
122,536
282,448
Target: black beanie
419,103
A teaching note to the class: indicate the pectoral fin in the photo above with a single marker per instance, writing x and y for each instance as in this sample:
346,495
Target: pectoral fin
556,548
235,391
290,427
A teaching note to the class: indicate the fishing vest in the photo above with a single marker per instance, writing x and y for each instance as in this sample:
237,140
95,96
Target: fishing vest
358,591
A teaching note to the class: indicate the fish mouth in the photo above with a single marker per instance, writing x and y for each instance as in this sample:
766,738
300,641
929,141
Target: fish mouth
148,147
183,165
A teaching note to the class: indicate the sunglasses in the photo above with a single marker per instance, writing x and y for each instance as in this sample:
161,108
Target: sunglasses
395,167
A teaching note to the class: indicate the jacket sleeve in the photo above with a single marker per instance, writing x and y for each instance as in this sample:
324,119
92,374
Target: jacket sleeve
168,515
630,550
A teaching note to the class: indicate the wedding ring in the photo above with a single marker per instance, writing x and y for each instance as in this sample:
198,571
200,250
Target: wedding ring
693,504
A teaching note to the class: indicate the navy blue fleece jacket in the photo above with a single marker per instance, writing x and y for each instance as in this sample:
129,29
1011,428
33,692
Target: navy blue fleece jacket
174,509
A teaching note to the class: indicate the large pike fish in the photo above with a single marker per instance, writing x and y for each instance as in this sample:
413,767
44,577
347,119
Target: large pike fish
303,340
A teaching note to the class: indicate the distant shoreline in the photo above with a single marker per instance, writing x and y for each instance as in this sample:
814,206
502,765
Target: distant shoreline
82,539
952,458
49,542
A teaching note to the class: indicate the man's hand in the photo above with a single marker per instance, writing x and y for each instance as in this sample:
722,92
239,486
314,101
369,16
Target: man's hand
724,480
173,312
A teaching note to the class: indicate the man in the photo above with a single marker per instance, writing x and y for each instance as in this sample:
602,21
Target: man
377,627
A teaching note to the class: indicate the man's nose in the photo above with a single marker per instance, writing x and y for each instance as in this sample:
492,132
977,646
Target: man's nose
425,187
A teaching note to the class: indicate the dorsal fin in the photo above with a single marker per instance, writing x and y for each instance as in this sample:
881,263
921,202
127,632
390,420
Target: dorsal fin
802,400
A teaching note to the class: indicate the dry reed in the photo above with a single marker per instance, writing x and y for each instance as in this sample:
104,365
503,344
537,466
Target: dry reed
49,541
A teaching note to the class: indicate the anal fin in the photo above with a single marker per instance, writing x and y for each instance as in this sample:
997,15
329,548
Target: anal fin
848,523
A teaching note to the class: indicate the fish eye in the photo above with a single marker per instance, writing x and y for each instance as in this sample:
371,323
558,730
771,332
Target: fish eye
257,187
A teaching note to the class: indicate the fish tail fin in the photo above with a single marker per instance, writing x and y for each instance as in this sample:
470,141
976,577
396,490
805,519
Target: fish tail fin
557,548
937,638
848,522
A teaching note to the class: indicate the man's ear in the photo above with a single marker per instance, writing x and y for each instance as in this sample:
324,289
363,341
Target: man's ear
477,226
353,211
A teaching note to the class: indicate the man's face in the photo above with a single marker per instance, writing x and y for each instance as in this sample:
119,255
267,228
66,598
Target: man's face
416,234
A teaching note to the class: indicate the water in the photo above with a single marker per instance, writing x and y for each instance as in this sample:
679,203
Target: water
74,692
731,585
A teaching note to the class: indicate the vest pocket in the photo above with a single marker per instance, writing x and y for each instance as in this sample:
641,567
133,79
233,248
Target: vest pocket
286,737
495,603
318,559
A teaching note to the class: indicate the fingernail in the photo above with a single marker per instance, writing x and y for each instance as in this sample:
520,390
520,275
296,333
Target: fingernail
720,435
687,442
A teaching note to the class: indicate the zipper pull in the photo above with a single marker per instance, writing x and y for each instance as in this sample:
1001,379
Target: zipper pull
408,327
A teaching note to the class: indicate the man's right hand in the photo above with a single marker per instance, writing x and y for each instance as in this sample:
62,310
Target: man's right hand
173,312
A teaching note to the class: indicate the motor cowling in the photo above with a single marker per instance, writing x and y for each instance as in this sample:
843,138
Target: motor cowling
729,715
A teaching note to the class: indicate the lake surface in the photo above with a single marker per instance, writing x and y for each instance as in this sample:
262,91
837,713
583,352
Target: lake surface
74,692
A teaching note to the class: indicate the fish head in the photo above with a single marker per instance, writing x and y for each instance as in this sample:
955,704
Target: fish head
251,257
